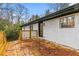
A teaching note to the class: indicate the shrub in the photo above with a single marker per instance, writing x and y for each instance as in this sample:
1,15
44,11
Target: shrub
11,34
10,29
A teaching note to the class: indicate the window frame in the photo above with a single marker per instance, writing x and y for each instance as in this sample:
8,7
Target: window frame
67,21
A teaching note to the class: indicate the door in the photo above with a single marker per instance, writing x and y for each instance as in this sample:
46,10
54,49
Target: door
40,27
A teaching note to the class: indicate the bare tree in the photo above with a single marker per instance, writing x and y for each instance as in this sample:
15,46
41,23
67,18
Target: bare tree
6,11
1,10
33,17
57,6
19,12
9,11
25,15
12,15
47,12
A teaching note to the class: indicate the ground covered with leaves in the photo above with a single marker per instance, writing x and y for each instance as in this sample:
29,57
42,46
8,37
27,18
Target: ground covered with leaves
38,47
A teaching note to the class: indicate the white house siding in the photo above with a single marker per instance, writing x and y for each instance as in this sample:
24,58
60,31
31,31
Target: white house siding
25,33
35,32
66,36
35,26
26,28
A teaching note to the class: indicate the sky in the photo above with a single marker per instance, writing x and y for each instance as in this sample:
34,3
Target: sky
36,8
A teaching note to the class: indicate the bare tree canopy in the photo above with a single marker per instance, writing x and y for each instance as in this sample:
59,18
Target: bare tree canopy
20,12
33,17
11,11
47,12
57,6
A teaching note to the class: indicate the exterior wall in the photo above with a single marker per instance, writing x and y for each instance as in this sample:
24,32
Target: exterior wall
25,32
35,26
66,36
25,35
26,28
35,30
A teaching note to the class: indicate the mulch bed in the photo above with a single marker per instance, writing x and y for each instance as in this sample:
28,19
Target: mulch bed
42,47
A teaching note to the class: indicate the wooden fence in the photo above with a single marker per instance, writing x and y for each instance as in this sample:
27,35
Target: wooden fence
2,42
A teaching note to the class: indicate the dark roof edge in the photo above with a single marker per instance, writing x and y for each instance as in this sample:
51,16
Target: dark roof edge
66,11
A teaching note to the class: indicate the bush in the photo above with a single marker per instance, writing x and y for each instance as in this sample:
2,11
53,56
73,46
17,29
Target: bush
4,24
10,29
11,34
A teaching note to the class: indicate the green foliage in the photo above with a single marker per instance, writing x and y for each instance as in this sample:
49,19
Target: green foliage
11,30
11,34
17,27
4,24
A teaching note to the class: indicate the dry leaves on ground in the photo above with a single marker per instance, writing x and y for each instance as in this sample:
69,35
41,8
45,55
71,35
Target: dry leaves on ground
38,47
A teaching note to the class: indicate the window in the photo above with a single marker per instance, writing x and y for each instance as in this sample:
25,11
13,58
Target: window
67,22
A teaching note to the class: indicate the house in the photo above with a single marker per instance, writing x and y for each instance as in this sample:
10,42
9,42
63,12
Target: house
61,26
